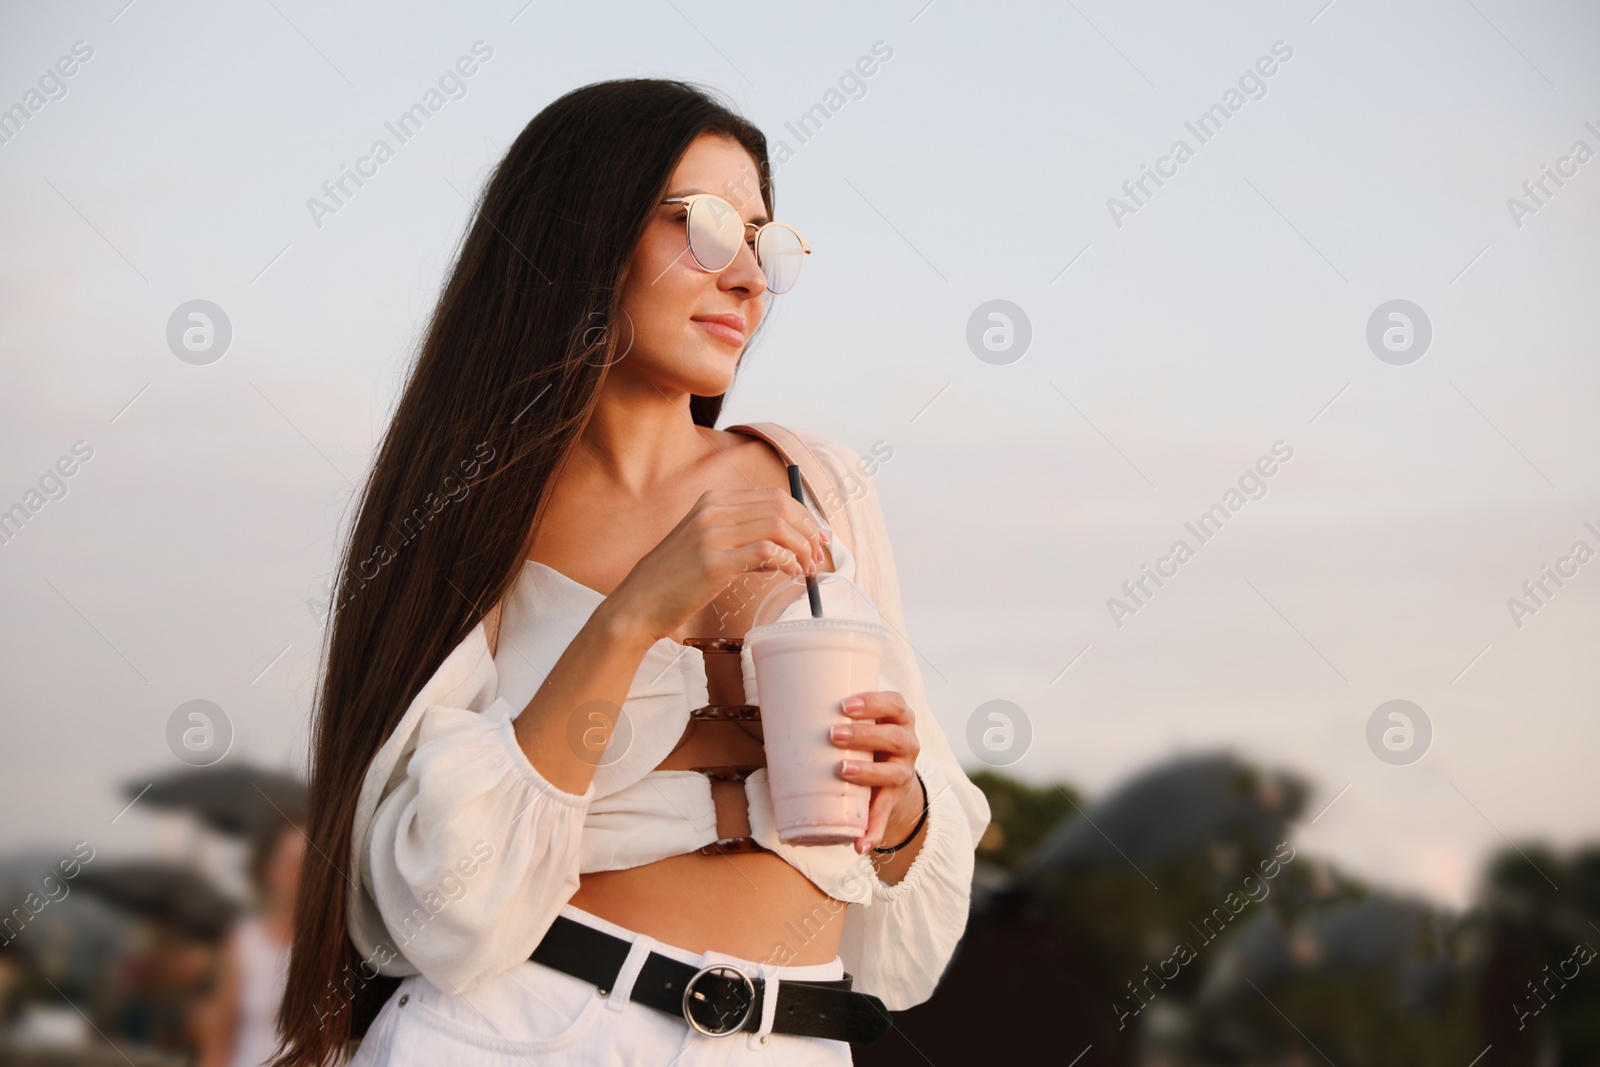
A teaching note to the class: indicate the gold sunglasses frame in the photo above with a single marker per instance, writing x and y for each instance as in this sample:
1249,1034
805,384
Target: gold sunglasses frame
693,198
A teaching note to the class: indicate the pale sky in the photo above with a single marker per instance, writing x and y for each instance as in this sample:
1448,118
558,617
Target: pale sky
1171,347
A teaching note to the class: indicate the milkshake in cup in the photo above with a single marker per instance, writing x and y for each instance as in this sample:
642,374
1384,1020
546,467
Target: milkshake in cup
805,666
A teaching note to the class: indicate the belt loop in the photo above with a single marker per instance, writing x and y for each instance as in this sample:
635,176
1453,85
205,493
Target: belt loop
622,989
769,1007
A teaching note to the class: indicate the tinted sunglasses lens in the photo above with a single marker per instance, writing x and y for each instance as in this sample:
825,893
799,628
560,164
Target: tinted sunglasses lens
715,232
780,253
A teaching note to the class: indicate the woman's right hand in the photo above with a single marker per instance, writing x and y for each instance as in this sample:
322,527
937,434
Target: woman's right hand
727,533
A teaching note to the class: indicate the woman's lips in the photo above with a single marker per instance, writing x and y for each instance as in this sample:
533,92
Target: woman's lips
722,331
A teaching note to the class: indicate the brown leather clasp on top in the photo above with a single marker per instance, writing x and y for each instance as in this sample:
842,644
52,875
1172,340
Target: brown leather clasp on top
714,644
726,846
723,681
729,773
728,713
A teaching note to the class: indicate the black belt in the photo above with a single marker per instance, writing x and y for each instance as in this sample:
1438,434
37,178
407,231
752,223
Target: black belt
717,1000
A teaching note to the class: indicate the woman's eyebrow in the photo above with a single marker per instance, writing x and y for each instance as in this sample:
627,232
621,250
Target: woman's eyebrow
759,220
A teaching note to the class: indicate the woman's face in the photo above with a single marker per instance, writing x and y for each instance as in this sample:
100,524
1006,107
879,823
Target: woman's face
667,297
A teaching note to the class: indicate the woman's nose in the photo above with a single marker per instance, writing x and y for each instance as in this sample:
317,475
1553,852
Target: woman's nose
744,273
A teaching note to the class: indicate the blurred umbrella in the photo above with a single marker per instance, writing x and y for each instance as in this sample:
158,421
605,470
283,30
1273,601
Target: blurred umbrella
237,799
1175,810
178,896
1380,932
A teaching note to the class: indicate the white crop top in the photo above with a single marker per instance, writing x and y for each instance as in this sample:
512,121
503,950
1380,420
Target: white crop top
640,815
465,852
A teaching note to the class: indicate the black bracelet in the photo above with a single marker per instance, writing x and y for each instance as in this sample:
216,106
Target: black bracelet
915,830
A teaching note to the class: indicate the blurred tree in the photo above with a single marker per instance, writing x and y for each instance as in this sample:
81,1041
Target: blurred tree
1538,1002
1021,815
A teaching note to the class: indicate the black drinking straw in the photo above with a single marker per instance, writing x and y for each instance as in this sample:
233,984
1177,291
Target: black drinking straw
811,579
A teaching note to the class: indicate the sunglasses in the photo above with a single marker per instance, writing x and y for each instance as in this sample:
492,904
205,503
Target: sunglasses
716,232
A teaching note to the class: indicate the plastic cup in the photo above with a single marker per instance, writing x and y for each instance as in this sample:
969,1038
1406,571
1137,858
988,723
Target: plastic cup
804,668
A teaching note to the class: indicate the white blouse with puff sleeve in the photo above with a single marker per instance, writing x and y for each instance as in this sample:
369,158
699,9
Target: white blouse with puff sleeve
464,853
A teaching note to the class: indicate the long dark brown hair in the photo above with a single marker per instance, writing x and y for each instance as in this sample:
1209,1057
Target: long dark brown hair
506,378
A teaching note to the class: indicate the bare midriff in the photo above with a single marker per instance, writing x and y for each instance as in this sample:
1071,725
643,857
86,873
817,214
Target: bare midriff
748,904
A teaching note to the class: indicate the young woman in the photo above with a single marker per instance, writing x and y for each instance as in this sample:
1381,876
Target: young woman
540,823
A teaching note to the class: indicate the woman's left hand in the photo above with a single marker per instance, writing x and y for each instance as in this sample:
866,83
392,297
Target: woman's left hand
885,726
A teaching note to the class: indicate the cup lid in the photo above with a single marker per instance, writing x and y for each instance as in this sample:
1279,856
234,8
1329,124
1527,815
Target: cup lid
842,600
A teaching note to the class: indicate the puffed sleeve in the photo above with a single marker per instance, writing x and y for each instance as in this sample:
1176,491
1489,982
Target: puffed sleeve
470,852
898,944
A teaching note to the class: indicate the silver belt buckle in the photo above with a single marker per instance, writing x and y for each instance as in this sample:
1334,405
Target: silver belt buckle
692,999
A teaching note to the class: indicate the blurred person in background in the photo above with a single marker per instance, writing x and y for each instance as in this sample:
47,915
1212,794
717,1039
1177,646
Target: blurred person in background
237,1022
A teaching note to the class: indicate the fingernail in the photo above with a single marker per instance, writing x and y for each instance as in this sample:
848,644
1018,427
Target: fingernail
826,536
841,732
852,703
811,566
848,766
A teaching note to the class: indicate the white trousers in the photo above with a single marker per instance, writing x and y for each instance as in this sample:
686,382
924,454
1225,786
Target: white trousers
534,1013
